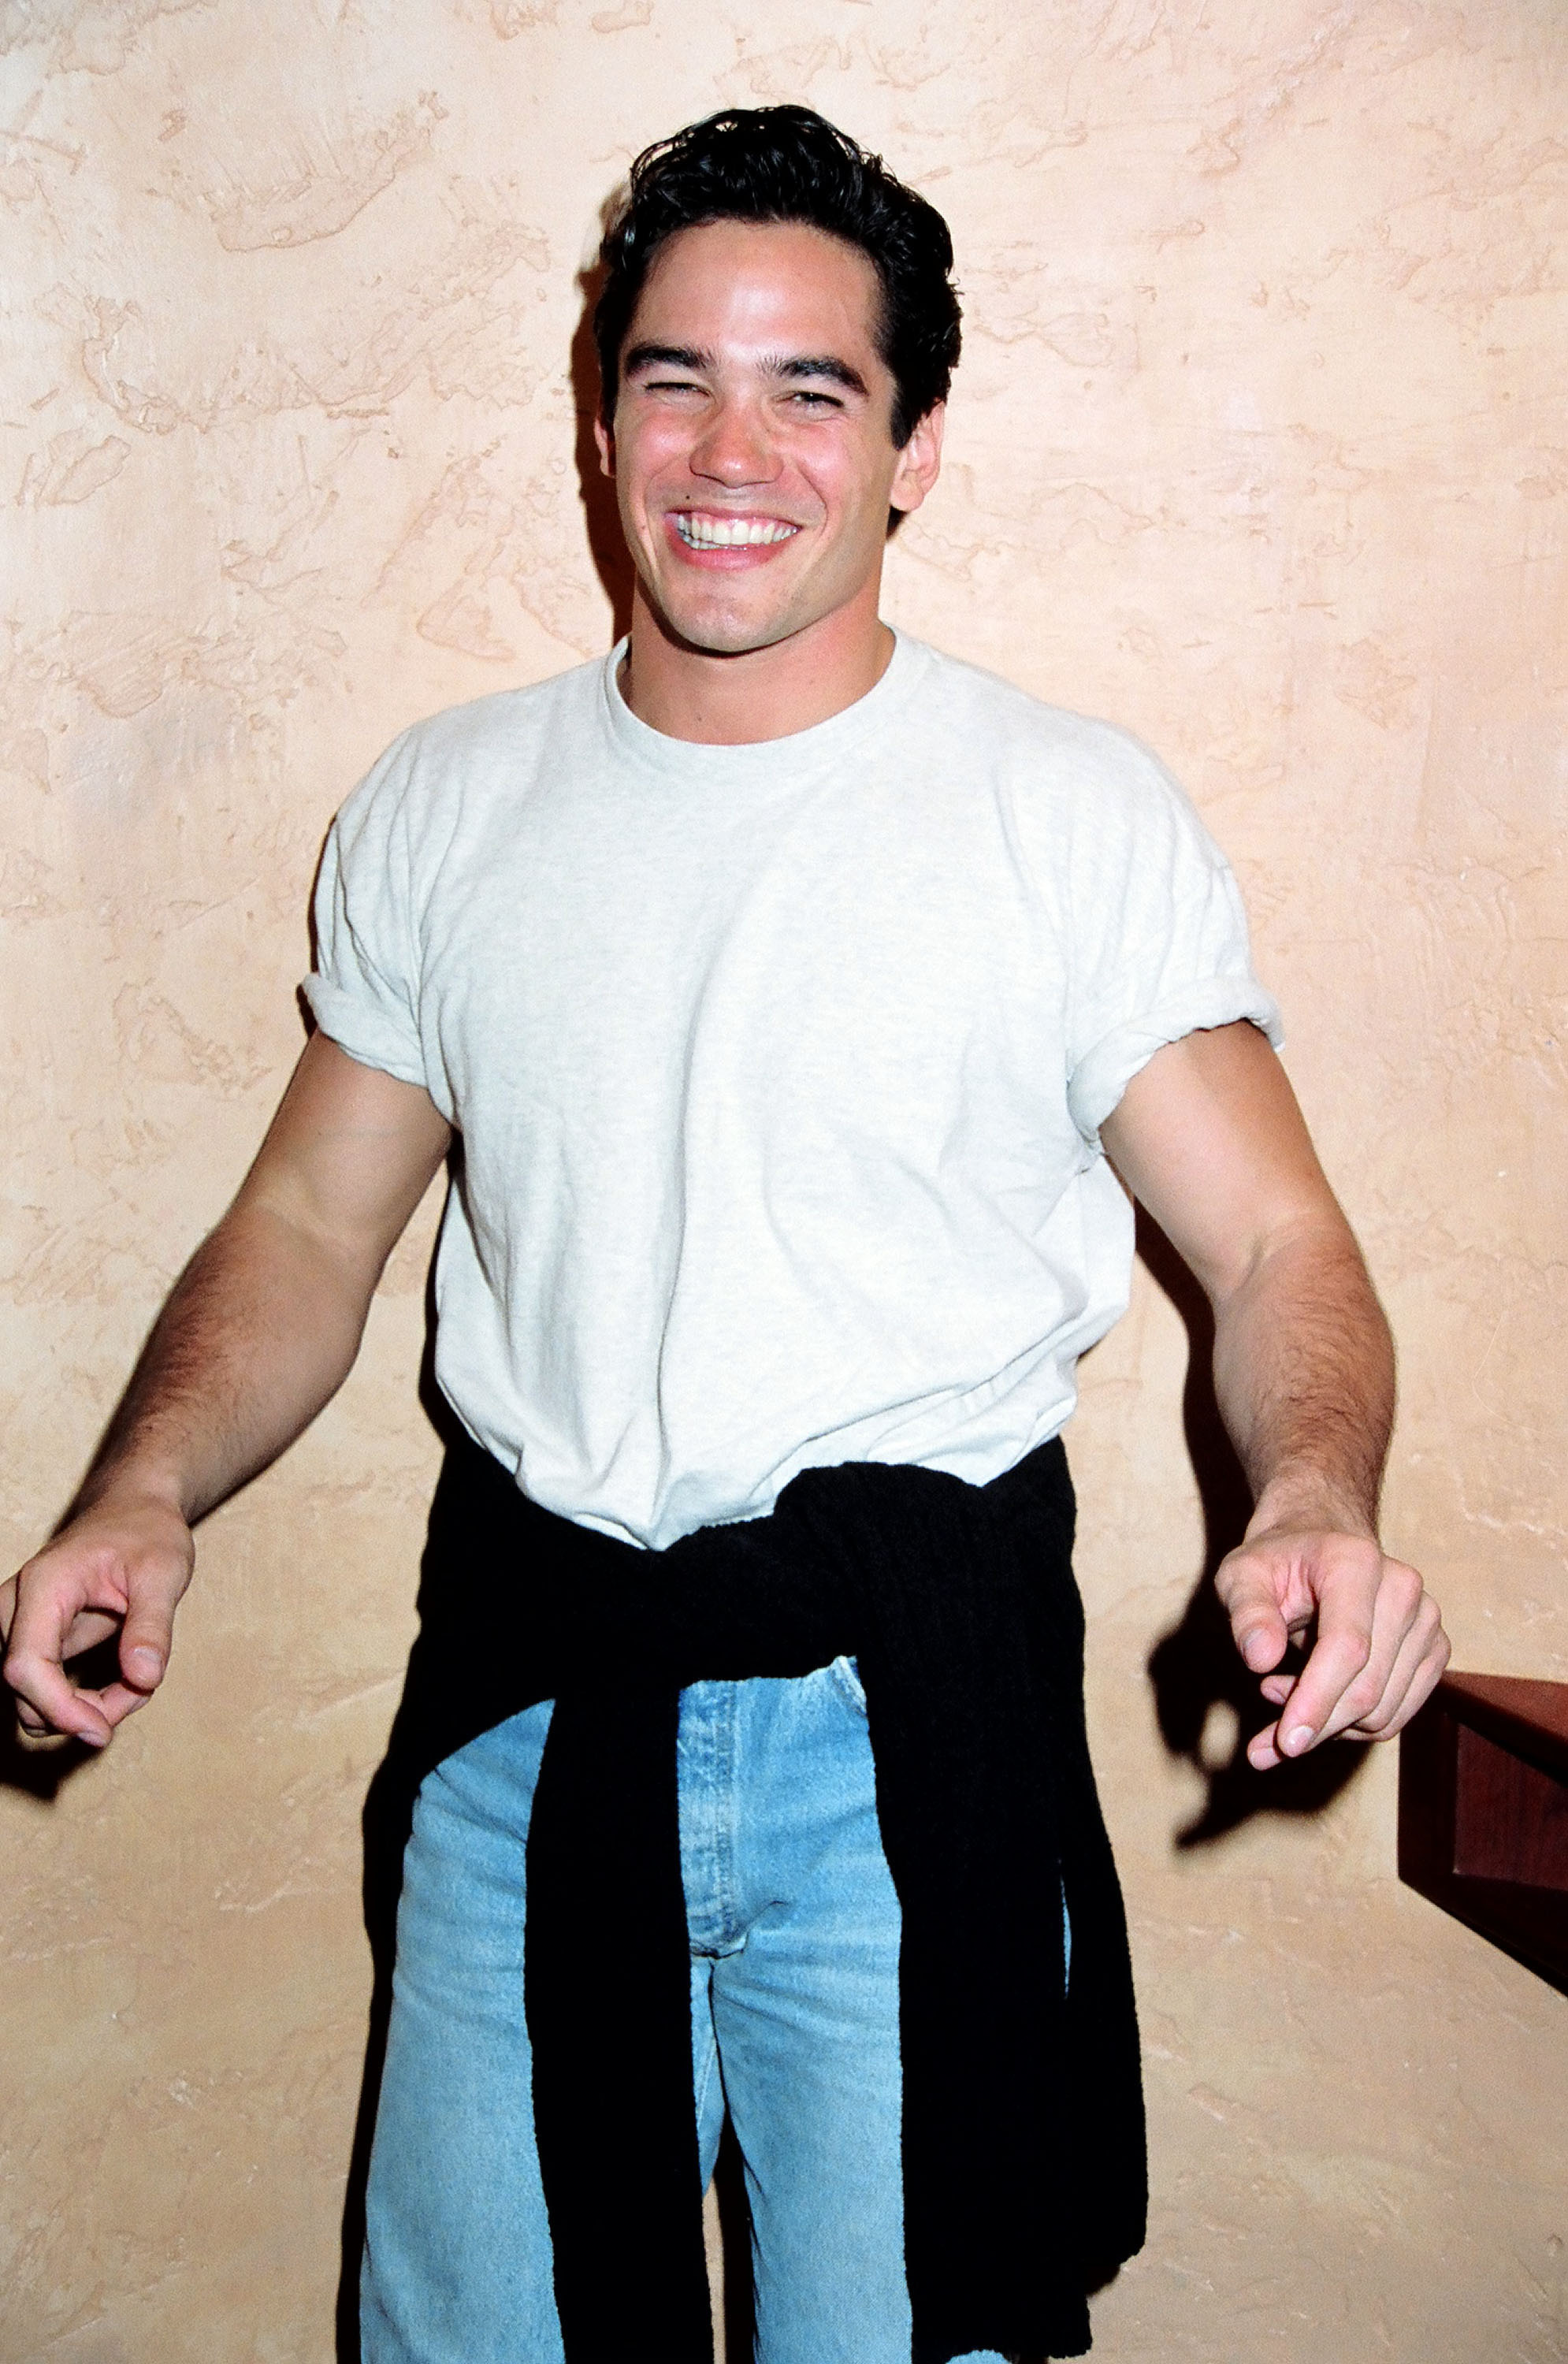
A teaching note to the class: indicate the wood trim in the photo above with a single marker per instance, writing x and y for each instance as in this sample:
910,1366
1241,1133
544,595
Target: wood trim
1530,1718
1484,1814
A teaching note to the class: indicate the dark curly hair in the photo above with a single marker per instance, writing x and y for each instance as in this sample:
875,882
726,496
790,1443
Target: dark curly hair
790,164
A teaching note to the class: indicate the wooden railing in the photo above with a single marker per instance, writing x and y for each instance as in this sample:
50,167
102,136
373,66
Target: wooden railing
1483,1813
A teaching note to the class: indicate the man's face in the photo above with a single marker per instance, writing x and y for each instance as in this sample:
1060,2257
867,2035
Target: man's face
753,454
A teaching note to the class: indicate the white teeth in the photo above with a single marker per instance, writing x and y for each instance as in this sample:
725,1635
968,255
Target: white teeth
701,532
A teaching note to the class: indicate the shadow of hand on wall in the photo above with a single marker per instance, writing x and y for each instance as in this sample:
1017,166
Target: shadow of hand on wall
1195,1669
601,516
40,1768
385,1822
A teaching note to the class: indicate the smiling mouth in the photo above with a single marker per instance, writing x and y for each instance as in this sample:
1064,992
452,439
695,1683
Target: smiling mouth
704,530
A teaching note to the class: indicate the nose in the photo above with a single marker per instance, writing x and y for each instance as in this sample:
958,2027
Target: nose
735,448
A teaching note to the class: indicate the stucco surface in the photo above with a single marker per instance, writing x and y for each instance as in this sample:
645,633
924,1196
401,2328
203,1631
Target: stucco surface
1259,447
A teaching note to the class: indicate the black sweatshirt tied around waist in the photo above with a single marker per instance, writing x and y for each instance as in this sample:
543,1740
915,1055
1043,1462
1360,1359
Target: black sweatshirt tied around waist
1023,2149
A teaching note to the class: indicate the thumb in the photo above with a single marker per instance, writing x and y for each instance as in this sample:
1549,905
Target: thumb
1246,1587
144,1650
149,1628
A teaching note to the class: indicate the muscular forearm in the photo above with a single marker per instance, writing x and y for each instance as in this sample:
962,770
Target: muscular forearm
1304,1373
1211,1139
261,1327
260,1332
1304,1370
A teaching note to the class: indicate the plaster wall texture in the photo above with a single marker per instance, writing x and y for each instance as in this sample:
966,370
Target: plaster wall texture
1259,447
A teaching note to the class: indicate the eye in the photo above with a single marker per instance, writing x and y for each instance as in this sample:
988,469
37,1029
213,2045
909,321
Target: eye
806,398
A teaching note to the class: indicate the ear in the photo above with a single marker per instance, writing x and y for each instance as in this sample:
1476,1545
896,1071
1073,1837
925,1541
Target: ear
606,443
920,461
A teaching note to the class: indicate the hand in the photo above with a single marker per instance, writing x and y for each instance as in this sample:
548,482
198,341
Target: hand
122,1566
1376,1654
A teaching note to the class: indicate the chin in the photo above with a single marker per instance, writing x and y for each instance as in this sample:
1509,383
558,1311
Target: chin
724,635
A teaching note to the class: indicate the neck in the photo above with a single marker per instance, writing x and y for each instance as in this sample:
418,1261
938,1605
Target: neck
757,693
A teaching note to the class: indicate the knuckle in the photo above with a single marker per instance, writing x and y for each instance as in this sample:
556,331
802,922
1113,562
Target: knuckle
1364,1697
1352,1651
1230,1584
22,1667
1427,1678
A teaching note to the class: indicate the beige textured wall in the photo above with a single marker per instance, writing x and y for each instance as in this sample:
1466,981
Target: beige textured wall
1258,446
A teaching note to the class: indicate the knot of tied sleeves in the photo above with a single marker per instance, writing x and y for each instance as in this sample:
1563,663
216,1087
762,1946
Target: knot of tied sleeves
1023,2151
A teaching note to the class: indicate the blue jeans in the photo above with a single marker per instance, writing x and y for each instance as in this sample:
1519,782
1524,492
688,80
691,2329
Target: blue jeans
794,1929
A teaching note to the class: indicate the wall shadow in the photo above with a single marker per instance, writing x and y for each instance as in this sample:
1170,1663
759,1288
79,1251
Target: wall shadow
386,1821
40,1767
735,2234
601,517
1196,1666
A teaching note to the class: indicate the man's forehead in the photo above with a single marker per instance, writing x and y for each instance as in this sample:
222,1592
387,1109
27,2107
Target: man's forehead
750,281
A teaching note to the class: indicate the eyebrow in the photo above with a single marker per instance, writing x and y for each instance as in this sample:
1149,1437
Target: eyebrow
790,366
828,366
687,357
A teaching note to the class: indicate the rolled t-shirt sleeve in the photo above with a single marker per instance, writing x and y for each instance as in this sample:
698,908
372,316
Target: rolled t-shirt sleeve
364,989
1160,936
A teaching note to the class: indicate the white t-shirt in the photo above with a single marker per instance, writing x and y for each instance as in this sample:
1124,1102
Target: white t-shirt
778,1068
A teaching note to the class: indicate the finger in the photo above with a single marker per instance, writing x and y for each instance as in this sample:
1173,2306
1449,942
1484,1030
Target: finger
86,1630
1418,1665
49,1705
115,1701
45,1707
48,1613
1263,1749
1422,1655
1429,1674
48,1701
1364,1603
156,1583
1396,1610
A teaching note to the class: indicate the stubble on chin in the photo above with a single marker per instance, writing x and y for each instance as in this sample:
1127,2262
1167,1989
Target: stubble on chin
714,628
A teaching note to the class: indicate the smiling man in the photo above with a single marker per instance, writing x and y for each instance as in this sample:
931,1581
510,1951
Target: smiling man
797,996
756,462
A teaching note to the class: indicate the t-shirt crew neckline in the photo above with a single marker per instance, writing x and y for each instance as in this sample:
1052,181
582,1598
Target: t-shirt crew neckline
691,761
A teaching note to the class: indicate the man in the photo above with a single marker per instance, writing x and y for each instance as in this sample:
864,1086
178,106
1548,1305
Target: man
789,986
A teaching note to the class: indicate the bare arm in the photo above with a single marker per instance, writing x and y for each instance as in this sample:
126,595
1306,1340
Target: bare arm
1209,1137
259,1330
